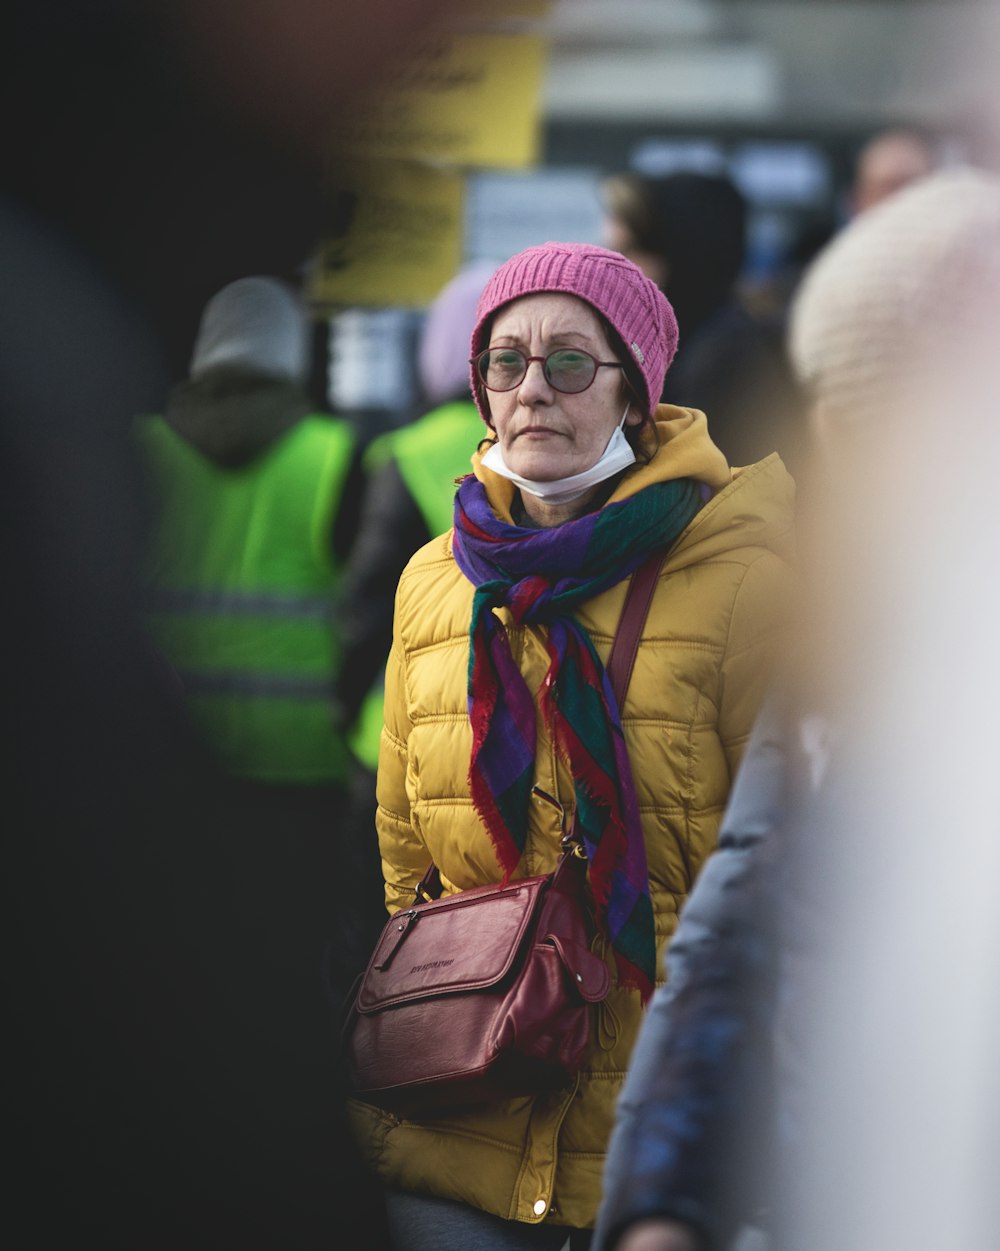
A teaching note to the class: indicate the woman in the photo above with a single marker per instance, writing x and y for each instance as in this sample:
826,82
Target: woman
582,478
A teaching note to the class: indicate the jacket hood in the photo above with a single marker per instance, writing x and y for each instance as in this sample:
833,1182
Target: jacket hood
676,445
231,418
757,509
753,504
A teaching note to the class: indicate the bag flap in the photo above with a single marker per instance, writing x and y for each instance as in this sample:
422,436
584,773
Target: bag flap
590,974
464,942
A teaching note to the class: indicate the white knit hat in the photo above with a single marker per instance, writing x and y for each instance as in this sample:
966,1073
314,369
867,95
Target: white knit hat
257,324
915,278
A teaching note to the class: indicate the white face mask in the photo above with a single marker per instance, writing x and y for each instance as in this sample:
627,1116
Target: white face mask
617,456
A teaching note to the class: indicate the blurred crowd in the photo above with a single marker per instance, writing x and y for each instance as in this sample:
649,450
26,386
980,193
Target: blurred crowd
203,559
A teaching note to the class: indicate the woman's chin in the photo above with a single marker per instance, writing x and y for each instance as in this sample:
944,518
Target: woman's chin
541,467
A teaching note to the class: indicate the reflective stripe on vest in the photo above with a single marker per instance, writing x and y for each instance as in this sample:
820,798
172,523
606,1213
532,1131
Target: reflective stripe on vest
279,685
241,595
250,603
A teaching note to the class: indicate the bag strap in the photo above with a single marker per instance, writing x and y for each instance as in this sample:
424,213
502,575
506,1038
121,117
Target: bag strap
621,661
638,597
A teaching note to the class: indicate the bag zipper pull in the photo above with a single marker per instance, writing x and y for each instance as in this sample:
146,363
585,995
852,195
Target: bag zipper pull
406,920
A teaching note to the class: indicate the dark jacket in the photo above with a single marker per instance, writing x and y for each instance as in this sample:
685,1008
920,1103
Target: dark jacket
733,366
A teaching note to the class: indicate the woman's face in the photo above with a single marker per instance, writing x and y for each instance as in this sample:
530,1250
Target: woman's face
544,434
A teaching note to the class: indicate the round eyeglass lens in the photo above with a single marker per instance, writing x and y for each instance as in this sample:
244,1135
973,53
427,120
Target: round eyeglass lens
502,368
570,370
567,369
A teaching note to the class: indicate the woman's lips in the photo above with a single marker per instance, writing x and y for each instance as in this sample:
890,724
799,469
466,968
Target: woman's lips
536,431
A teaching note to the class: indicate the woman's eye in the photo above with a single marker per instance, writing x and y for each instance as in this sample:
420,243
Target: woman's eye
505,360
568,361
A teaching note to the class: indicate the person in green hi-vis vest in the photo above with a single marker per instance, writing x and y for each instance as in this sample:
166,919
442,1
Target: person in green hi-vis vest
410,475
253,503
252,523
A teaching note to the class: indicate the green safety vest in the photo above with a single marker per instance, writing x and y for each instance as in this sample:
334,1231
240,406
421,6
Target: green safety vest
430,454
241,580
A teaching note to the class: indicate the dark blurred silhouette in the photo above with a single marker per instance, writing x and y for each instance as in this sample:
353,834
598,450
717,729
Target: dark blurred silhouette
165,1085
687,231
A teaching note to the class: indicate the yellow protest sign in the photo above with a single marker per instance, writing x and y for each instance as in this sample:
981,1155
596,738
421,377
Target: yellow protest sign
465,99
403,239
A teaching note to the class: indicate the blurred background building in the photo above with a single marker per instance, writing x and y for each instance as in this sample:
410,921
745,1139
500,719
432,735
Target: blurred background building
781,95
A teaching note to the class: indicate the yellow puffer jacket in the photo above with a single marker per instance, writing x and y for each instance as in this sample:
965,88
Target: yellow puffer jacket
699,675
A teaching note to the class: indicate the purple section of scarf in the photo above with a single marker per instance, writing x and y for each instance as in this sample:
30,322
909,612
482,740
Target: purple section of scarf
548,553
513,752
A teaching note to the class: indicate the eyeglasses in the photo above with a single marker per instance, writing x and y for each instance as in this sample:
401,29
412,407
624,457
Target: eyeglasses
569,370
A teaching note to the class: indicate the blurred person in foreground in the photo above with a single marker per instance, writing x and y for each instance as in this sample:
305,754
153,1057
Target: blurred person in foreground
411,476
820,1061
687,232
500,728
152,153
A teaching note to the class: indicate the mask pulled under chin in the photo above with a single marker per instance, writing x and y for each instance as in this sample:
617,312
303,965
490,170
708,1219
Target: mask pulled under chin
618,455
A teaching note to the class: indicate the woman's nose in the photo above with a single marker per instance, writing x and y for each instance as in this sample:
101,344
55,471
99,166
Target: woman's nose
534,385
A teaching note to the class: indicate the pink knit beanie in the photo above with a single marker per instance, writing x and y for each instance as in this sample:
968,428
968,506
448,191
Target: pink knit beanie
636,307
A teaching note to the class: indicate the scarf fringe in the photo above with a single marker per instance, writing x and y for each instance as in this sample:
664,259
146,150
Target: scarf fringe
631,977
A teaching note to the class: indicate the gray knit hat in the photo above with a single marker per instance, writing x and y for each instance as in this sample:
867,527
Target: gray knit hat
907,283
256,324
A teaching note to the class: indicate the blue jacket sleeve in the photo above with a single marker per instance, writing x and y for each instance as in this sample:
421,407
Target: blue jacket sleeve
692,1109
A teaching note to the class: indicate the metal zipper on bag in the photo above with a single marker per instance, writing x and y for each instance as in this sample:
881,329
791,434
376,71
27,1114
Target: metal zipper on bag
406,921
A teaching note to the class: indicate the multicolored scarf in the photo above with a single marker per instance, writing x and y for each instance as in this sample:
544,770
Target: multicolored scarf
541,576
